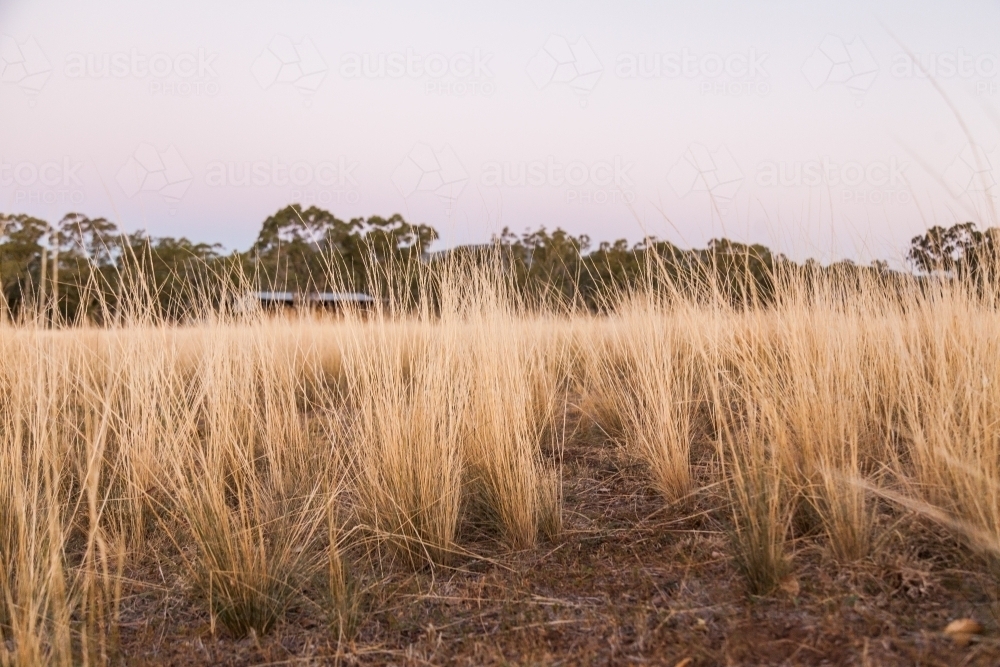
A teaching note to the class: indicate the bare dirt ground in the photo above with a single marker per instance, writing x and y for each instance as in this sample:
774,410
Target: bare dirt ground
628,582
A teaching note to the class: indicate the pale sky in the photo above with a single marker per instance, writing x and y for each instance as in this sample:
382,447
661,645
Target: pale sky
804,126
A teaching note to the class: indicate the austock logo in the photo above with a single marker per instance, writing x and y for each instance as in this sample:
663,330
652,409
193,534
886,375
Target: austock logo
425,170
560,62
947,65
284,62
836,63
23,64
326,182
599,182
876,182
714,172
972,172
149,170
456,74
50,182
182,74
735,73
978,68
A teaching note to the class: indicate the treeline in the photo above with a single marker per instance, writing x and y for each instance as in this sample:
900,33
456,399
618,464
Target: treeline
86,268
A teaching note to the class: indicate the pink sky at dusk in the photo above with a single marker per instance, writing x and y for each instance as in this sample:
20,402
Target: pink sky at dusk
811,127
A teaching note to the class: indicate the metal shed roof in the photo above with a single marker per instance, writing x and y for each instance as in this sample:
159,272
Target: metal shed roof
321,297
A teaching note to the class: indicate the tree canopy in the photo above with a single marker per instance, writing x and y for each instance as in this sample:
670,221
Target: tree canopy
960,250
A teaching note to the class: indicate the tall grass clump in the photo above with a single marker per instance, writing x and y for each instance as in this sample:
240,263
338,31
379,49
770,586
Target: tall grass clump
748,454
60,549
826,412
513,375
407,395
647,378
248,486
948,405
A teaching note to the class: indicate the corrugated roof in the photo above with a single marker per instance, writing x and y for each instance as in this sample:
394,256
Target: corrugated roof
274,296
339,296
321,297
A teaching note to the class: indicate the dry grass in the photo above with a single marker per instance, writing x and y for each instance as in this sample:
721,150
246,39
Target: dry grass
646,377
275,454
